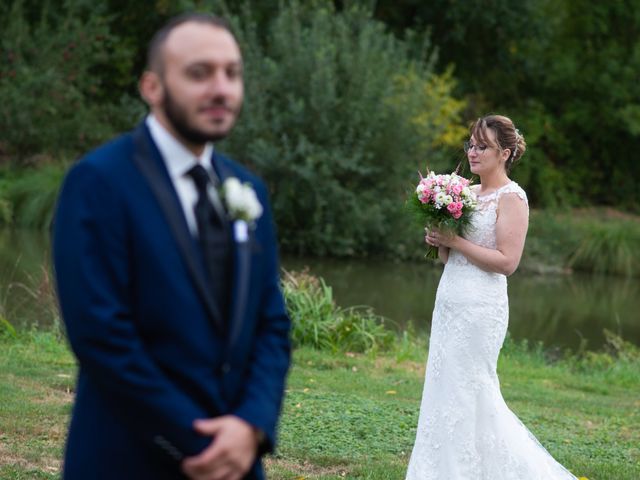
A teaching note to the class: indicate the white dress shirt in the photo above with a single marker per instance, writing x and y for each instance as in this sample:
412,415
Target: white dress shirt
179,160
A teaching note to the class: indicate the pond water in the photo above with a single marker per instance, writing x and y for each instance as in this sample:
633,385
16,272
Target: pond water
561,311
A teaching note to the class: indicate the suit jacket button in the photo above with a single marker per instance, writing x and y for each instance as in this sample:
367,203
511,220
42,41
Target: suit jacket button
225,368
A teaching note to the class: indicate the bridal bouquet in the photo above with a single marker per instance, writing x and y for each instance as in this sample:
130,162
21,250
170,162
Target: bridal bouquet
444,202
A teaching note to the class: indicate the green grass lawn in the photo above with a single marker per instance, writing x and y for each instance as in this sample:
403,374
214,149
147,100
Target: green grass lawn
352,415
36,392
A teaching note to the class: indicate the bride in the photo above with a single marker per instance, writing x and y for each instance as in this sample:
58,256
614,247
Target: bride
465,429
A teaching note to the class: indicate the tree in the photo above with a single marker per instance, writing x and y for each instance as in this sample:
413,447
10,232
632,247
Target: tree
338,118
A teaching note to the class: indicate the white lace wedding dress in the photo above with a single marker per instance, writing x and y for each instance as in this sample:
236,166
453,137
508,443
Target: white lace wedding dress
465,430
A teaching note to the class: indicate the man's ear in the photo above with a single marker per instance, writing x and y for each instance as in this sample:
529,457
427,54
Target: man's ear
151,88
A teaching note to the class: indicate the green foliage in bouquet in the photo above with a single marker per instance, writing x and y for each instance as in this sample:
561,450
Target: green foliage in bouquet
442,202
444,222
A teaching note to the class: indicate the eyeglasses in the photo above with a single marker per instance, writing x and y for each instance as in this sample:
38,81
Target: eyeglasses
468,146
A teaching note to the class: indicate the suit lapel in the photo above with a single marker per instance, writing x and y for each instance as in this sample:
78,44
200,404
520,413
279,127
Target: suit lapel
149,162
241,264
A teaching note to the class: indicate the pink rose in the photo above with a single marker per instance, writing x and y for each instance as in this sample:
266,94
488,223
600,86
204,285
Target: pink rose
453,207
456,189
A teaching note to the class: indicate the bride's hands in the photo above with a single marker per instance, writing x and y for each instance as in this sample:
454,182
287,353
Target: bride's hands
437,238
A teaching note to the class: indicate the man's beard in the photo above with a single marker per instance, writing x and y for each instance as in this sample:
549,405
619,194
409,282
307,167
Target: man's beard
177,117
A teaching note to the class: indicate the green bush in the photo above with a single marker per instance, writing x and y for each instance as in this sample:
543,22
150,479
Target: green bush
55,60
319,323
570,84
338,118
6,213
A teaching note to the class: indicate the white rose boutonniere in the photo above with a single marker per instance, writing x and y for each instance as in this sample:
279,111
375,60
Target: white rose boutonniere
242,204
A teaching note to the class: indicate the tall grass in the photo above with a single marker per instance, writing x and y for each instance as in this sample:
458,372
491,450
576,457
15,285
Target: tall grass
31,195
596,240
617,363
609,247
5,327
36,311
319,323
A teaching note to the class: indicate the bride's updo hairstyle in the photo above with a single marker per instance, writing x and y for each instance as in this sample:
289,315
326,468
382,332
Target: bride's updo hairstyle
507,136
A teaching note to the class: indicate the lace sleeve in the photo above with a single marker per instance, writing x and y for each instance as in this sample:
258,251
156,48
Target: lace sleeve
513,187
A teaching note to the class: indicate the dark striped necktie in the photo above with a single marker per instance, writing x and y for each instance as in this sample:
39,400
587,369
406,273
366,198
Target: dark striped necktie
214,240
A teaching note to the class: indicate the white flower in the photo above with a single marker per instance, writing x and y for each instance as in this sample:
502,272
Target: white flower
241,200
447,199
466,192
440,197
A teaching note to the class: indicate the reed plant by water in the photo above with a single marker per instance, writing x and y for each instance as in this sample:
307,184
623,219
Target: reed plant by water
319,323
5,327
609,247
30,196
36,311
596,240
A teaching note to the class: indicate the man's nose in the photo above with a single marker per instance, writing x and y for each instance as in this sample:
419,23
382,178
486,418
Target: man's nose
220,84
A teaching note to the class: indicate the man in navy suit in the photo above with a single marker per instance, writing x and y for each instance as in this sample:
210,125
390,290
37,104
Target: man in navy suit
167,276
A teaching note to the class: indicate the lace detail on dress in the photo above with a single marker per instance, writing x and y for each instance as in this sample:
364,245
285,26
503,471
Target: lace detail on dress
465,429
482,230
494,197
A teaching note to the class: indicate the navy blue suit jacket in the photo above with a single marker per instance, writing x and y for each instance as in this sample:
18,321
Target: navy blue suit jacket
154,352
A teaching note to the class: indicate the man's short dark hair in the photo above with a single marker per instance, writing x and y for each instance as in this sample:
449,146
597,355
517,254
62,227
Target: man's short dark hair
155,61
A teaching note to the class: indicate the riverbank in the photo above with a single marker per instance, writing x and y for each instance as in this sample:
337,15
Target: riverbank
595,240
353,415
559,241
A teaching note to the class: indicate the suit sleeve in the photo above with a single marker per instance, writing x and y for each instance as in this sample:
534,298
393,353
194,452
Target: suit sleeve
95,284
271,354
